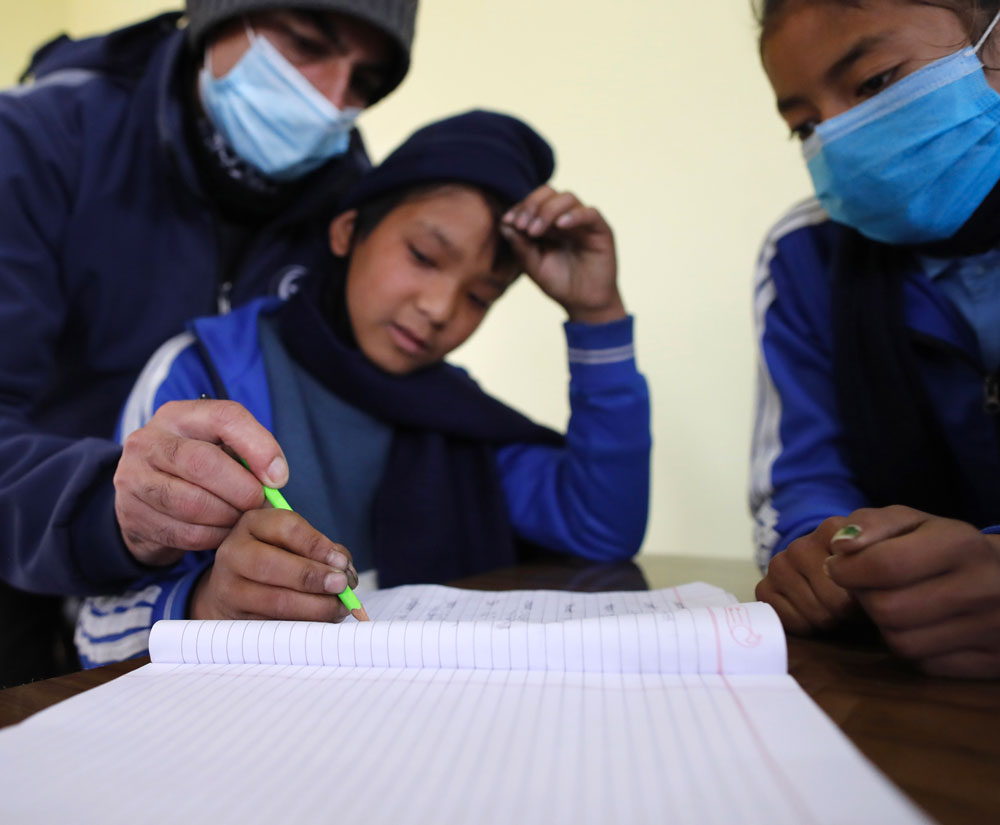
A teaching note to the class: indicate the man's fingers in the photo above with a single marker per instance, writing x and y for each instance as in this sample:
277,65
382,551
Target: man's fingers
180,500
153,457
156,538
231,424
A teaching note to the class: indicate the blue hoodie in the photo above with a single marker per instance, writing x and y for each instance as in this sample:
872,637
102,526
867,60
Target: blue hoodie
108,246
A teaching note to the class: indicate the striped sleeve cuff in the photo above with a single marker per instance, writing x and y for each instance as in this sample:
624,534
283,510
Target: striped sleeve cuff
601,356
600,343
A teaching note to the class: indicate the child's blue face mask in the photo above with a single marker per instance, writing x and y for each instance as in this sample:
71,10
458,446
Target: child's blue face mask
271,116
913,163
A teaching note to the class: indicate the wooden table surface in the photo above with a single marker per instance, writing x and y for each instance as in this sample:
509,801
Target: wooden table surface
937,739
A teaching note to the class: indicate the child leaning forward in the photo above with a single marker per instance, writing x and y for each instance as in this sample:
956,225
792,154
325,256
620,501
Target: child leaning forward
399,463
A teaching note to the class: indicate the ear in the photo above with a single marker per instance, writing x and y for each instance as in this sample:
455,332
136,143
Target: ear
342,233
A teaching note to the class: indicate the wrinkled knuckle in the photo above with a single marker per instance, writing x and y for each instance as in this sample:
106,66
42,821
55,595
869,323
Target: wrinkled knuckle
170,449
198,460
228,415
314,544
157,496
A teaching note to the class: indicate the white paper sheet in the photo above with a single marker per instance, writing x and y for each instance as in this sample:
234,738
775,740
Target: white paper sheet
259,743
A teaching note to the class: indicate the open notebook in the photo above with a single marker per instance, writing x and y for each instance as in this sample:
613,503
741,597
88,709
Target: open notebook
455,706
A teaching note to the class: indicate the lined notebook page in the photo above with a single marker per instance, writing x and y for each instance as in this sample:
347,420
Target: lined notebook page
741,638
259,743
434,601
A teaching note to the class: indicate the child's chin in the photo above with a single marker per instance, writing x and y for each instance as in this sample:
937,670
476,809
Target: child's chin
397,366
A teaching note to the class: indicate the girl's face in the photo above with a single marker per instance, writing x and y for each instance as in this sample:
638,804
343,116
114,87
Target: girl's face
423,280
822,58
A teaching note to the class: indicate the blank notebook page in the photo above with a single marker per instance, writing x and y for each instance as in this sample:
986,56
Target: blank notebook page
596,733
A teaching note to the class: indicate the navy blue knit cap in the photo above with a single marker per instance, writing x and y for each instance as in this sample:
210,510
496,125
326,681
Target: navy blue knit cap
487,149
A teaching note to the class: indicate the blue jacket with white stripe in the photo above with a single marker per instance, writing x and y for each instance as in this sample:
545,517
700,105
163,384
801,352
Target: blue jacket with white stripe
108,246
800,473
589,498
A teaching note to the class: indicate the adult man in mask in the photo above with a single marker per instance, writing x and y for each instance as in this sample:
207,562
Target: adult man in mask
147,177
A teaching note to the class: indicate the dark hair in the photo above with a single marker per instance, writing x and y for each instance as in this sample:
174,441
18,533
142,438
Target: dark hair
372,213
974,14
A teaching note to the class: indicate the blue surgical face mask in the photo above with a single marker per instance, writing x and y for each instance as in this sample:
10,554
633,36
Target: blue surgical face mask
271,116
913,163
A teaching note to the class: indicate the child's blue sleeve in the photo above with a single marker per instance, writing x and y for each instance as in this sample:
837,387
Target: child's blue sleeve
175,372
798,474
114,628
590,497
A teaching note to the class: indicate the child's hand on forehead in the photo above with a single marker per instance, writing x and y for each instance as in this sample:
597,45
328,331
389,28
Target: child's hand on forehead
568,249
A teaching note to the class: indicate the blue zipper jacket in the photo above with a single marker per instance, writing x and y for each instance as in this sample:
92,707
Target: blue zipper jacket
589,498
799,473
108,246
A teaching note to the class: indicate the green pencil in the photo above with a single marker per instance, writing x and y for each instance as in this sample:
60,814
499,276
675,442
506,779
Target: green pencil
347,596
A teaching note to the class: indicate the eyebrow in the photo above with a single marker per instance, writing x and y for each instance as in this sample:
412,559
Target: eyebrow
497,283
442,239
326,26
839,68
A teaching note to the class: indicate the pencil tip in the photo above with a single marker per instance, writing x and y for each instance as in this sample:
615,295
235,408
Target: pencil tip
359,614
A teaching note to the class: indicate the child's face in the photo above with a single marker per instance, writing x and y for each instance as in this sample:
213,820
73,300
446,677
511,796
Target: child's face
423,280
822,58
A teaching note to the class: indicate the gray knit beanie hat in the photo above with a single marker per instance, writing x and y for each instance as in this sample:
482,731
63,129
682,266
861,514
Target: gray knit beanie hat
396,18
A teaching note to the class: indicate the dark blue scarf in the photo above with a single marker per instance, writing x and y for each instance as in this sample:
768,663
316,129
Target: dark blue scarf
893,439
440,511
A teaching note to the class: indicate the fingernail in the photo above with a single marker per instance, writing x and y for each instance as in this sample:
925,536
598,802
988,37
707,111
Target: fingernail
536,226
564,220
334,583
848,531
509,217
826,565
277,473
523,219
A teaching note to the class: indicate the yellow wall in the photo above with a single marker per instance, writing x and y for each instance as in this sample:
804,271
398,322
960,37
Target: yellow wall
23,29
660,116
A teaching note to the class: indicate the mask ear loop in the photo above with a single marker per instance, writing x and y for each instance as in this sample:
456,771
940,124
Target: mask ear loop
251,37
986,33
